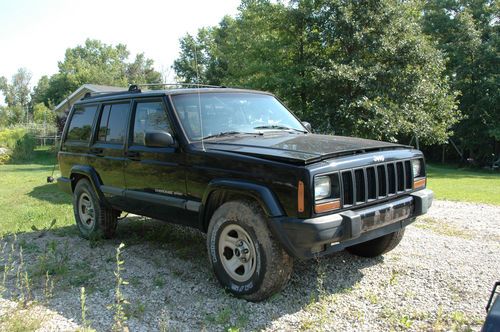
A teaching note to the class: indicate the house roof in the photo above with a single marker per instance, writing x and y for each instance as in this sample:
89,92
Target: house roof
84,89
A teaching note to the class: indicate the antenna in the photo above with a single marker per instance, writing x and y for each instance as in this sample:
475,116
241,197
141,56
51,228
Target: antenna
199,96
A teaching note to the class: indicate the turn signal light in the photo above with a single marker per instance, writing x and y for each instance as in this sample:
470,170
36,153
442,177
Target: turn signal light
300,196
419,183
328,206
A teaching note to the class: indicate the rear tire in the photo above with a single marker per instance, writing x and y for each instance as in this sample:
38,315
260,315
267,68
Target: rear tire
93,218
378,246
245,257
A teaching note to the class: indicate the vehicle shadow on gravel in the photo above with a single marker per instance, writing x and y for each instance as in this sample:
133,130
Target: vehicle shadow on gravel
170,279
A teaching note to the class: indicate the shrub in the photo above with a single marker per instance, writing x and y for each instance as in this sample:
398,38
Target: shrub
19,142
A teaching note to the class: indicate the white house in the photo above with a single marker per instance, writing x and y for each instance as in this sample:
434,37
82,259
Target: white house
78,94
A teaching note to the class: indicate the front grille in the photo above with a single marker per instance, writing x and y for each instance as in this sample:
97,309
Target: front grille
367,184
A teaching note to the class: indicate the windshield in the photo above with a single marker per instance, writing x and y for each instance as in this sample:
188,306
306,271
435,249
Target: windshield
232,113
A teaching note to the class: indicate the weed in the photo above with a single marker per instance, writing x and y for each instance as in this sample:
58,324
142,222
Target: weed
439,323
83,308
220,318
43,231
135,281
243,318
81,275
405,321
401,321
135,310
95,241
177,272
19,321
49,286
394,277
163,324
23,281
8,265
372,297
29,247
52,260
120,318
159,281
442,228
410,294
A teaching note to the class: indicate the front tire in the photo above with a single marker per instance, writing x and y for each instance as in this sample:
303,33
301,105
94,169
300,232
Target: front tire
245,257
93,218
378,246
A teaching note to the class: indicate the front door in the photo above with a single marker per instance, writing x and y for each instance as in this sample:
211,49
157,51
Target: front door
154,177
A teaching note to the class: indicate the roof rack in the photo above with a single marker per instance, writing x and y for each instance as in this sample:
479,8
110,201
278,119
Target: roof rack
135,87
107,93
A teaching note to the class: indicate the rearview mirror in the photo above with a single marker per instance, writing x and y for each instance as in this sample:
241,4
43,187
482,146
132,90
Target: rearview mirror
158,139
307,125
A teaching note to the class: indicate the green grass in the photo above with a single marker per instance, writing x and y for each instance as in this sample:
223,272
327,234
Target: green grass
26,199
455,184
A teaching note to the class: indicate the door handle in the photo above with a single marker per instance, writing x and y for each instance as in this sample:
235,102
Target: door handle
133,154
96,151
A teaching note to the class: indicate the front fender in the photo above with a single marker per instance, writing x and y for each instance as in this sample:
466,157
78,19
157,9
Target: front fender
262,194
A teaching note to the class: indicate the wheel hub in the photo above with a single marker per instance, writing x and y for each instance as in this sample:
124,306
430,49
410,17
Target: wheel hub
242,251
237,253
86,211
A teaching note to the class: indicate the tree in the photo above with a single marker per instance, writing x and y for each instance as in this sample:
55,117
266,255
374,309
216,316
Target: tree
468,33
96,63
40,91
11,115
17,92
142,71
43,115
357,68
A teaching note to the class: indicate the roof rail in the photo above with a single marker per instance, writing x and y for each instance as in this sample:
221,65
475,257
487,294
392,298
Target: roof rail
135,88
196,85
108,93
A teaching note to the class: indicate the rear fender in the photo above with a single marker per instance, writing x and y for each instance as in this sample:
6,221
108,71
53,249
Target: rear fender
90,173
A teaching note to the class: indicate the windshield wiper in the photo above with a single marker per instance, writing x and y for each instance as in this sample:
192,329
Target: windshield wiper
230,133
279,128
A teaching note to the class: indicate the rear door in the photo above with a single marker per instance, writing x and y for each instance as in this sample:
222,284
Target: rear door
107,152
77,139
154,177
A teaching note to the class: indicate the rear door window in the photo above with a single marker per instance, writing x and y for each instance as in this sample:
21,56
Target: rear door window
113,123
80,127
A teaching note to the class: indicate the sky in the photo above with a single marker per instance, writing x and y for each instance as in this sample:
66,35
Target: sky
35,34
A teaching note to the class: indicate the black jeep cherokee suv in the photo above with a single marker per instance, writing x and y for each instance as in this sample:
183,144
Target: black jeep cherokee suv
240,166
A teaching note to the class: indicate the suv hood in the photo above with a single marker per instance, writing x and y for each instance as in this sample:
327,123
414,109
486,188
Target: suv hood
296,148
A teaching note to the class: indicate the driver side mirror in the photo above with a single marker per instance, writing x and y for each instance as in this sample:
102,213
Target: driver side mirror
307,125
158,139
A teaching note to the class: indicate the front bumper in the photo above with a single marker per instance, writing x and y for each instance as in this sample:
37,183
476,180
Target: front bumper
306,238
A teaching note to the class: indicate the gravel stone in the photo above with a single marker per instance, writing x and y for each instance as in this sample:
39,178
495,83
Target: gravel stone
438,278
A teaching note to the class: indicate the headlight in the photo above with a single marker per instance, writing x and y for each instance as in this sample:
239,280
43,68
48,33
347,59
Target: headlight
416,164
322,187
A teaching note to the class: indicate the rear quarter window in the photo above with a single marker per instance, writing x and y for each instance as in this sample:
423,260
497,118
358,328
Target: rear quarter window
80,126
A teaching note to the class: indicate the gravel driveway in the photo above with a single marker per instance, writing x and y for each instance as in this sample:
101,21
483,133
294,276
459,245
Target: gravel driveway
438,278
